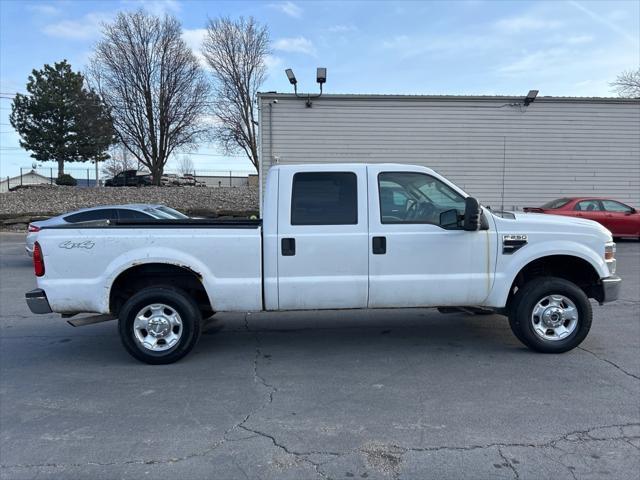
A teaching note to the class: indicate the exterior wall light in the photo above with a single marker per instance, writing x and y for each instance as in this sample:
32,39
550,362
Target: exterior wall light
531,96
321,78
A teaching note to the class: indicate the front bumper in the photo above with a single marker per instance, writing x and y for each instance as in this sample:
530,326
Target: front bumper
610,288
37,301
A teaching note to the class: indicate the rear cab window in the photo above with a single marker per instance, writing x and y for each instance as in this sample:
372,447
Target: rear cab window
324,198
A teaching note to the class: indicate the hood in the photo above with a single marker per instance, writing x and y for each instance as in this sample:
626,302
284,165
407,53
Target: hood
541,222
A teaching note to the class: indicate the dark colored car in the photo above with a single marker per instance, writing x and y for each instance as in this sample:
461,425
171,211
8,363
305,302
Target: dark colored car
622,220
129,178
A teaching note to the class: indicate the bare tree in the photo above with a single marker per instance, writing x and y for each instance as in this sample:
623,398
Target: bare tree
627,84
119,160
185,165
236,52
154,86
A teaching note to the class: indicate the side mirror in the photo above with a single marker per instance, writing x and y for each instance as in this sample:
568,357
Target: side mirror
472,214
449,219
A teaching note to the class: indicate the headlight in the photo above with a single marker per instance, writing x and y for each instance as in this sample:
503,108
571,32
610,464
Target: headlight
610,256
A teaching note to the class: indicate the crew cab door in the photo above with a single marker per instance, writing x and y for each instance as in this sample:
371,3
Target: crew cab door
412,260
322,237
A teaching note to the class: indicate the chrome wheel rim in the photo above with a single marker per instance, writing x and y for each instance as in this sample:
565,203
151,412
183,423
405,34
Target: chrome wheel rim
157,327
554,317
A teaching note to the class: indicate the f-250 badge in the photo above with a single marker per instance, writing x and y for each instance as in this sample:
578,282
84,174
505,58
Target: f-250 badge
88,244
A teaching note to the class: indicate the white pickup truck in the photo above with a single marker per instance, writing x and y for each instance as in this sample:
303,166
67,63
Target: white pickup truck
336,236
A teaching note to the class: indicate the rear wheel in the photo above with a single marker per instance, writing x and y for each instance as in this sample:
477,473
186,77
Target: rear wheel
550,315
159,325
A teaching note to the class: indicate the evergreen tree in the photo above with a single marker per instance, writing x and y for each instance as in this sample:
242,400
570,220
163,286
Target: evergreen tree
61,120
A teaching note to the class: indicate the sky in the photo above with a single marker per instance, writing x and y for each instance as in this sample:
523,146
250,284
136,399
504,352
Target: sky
473,47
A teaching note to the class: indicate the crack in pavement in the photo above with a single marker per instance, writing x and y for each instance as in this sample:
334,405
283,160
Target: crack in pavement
298,455
257,378
508,464
580,436
613,364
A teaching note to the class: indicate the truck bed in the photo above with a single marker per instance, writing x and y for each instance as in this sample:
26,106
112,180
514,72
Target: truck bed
84,260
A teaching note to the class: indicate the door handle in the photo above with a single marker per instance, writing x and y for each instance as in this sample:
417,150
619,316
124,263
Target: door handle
288,247
379,245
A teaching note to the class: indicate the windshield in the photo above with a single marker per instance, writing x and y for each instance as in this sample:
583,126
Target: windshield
561,202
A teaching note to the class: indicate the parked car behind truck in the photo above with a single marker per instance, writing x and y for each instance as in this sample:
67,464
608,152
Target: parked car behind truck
622,220
103,212
340,236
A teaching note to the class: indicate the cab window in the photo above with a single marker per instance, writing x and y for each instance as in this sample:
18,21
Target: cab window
324,198
412,197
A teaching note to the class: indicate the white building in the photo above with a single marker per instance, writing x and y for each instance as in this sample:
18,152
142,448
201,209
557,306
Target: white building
29,178
491,146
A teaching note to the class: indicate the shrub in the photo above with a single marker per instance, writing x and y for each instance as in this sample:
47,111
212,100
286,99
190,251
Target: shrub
66,179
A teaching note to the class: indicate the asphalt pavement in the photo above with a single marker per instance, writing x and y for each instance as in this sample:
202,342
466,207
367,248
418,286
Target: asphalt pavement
391,394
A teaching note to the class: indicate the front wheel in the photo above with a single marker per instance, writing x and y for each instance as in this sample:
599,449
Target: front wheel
159,325
550,315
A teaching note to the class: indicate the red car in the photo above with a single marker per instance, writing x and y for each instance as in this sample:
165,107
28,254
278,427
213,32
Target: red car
622,220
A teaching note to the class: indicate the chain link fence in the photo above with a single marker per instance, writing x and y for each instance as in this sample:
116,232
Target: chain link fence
89,177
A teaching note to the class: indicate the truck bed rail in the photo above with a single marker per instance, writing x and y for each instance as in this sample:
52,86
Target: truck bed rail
162,223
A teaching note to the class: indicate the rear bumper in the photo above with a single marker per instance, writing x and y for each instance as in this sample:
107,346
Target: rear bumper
37,301
29,250
610,288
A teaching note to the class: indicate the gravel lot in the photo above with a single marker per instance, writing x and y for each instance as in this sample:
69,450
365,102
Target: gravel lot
375,395
49,201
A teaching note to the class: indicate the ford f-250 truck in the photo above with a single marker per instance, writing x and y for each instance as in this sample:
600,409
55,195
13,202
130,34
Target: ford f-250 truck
337,236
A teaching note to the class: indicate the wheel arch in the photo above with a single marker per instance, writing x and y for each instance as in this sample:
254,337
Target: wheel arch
573,268
143,275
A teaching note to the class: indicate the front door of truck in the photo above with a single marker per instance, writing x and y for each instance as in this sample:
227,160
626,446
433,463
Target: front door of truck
413,261
322,238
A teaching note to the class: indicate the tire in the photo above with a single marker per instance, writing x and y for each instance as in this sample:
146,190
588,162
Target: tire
557,301
159,325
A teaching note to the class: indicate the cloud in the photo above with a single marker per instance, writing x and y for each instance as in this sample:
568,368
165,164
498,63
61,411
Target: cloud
194,38
536,61
342,28
272,62
579,39
156,7
295,44
440,46
288,8
604,21
44,9
526,23
84,28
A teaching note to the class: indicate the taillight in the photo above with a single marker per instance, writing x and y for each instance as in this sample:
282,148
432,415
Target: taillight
33,229
38,260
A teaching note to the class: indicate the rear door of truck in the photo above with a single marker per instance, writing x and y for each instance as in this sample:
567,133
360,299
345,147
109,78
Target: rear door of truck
323,237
